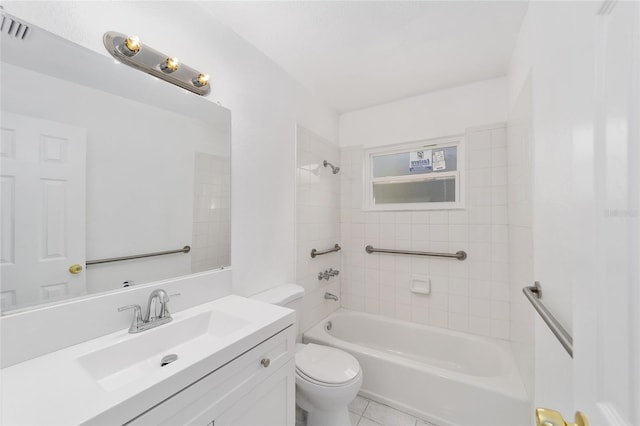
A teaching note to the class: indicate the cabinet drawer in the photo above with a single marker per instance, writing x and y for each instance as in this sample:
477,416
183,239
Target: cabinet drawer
202,401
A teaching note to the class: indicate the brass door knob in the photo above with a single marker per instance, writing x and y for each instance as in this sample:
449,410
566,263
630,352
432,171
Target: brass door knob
547,417
75,269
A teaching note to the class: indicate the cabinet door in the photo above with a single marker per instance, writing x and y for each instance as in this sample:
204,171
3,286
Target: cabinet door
272,403
219,391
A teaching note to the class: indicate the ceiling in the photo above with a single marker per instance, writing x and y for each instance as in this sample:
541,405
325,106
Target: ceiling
356,54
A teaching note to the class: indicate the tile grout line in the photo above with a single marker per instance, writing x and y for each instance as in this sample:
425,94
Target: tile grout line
363,410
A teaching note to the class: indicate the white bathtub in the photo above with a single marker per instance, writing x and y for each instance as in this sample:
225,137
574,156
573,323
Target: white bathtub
442,376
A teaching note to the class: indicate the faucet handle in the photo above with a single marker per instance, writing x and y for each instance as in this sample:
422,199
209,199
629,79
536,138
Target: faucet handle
137,321
137,309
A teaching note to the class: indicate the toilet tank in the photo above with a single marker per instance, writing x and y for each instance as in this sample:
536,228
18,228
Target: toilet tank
287,295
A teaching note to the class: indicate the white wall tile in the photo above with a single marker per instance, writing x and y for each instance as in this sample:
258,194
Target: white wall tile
459,322
479,307
318,225
479,178
438,232
479,159
480,140
472,295
479,325
438,318
439,217
458,217
403,231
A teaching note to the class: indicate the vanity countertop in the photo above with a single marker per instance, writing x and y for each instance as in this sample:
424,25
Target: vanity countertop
114,378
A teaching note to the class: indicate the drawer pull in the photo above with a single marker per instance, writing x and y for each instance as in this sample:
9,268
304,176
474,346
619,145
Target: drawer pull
265,362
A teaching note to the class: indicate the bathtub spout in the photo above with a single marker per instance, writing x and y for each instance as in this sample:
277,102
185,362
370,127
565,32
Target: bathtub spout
329,296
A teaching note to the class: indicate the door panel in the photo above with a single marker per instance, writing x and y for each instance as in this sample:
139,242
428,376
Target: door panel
606,325
43,209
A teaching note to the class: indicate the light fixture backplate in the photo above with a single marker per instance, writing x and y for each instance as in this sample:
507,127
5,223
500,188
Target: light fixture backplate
149,60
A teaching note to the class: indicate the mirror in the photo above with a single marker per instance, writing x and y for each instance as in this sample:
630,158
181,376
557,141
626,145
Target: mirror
100,161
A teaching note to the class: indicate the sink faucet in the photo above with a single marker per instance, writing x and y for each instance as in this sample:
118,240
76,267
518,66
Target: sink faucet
161,298
152,318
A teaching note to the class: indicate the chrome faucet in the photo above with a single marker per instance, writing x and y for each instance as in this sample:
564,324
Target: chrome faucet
152,318
157,297
330,296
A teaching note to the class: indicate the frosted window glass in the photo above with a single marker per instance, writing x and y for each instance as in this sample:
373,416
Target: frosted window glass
398,164
429,191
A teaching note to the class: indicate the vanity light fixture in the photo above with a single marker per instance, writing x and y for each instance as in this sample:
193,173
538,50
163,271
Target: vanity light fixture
130,51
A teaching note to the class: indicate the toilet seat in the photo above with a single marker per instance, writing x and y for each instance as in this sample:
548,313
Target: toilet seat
326,366
314,382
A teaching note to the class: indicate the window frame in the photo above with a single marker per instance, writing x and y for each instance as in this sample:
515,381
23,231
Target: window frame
432,144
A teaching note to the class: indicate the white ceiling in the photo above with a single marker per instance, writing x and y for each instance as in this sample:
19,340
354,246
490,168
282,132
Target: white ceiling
355,54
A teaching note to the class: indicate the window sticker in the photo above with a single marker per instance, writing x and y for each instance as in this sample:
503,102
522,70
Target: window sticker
420,161
439,161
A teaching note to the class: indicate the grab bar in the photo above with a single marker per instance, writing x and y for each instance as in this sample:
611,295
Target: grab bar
534,294
460,255
315,252
185,249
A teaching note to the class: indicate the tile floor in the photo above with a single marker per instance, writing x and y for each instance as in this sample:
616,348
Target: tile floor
365,412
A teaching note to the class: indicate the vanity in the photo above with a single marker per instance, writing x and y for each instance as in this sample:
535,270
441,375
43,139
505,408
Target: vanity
235,366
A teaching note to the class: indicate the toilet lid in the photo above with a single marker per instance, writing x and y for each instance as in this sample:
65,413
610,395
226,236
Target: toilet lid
326,364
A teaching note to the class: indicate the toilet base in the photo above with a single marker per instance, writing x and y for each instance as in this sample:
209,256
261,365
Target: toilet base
328,418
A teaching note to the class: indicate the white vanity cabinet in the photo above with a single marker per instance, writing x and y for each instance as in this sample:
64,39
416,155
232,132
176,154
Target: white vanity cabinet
255,388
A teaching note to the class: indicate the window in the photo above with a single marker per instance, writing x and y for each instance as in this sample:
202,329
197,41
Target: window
424,175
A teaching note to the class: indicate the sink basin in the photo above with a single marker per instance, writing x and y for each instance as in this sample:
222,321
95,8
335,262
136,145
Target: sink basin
113,378
135,357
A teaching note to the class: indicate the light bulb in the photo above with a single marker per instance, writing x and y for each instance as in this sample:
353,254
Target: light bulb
170,65
132,45
201,80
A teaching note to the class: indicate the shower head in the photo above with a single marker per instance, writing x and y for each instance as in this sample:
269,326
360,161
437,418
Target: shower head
335,169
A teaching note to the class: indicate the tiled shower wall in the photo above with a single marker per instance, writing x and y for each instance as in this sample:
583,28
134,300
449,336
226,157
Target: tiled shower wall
470,295
317,224
211,213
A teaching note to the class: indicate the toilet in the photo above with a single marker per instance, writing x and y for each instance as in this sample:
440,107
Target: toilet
327,379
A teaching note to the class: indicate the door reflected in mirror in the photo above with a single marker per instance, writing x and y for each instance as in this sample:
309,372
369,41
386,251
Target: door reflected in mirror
100,161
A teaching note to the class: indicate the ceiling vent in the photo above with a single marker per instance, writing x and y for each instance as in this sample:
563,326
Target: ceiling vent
12,27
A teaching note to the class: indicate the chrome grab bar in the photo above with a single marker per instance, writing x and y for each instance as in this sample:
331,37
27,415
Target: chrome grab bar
460,255
534,294
315,252
185,249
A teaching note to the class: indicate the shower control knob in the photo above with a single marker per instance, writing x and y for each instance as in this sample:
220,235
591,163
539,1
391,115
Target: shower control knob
265,362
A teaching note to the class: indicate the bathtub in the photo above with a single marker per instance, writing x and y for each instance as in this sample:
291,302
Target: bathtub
442,376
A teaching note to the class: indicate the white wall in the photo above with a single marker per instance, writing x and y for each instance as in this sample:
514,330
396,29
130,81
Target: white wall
436,114
317,225
520,182
266,104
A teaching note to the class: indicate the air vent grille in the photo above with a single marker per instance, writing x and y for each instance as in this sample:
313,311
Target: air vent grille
13,28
